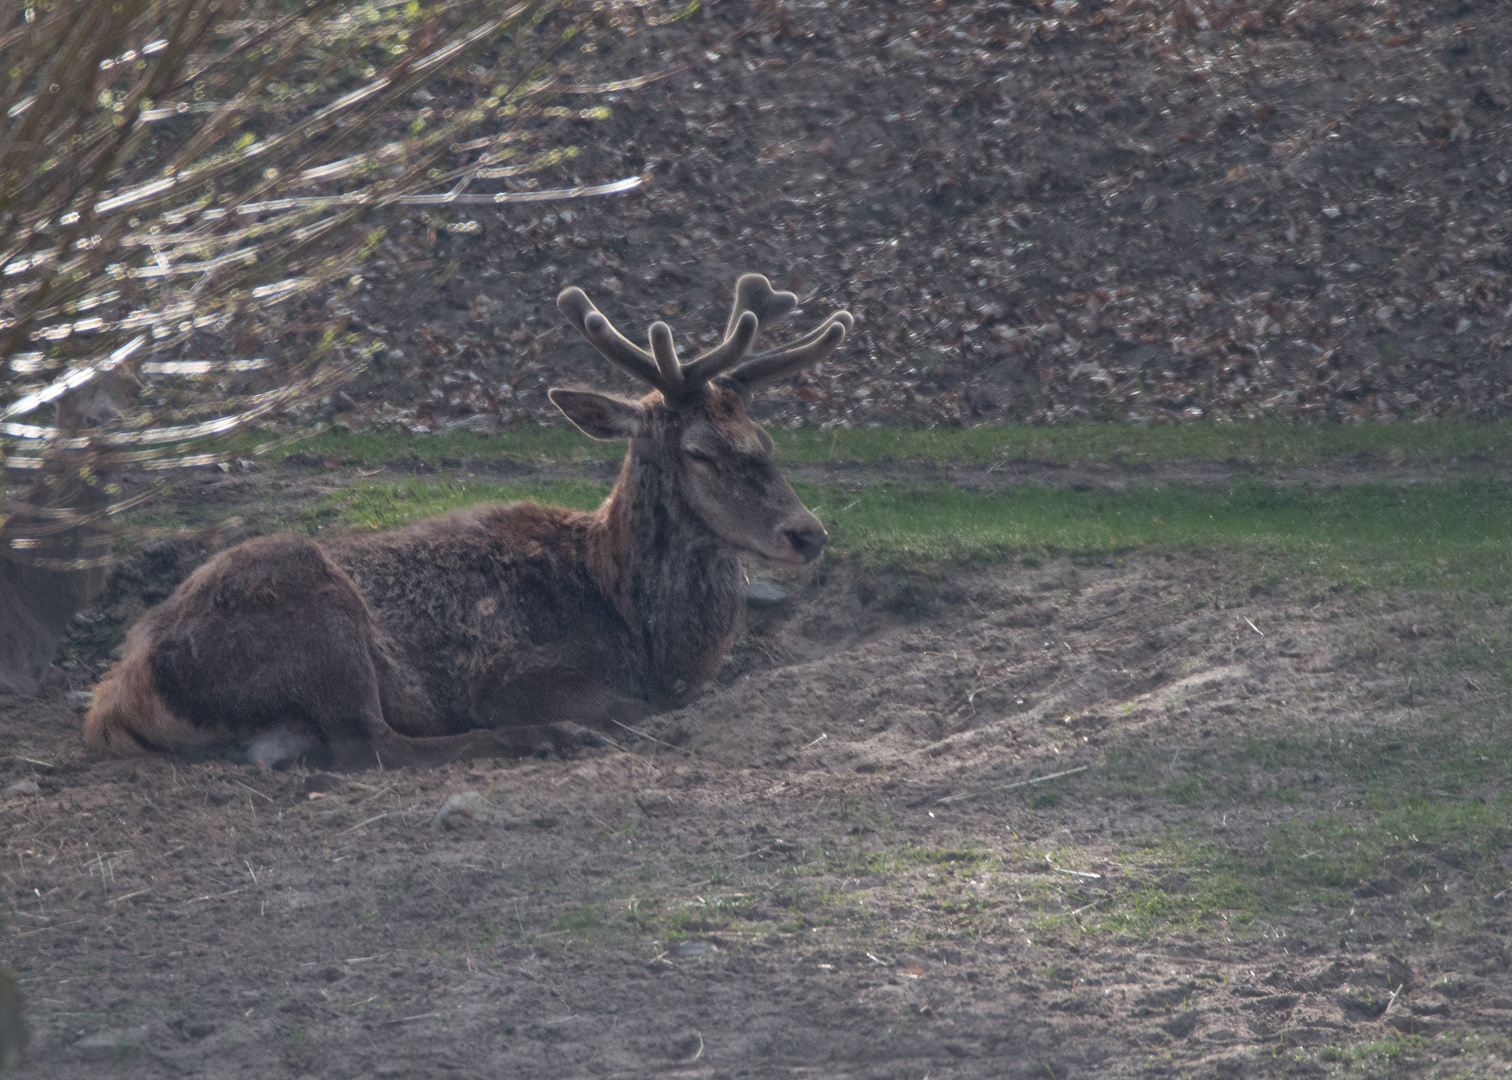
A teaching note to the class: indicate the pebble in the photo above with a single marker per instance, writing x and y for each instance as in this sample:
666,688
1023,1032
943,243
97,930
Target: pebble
459,809
691,948
764,594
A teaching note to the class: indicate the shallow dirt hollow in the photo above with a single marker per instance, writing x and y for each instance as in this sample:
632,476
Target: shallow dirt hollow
729,892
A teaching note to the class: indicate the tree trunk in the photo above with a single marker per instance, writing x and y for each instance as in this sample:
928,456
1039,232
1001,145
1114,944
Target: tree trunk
55,542
36,604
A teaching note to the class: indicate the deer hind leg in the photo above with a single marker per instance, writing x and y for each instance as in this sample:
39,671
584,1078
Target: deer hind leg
128,717
264,654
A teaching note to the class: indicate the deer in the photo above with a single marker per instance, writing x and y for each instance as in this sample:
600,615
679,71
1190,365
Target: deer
493,630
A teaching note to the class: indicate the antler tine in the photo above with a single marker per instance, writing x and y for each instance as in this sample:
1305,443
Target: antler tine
754,293
666,358
811,348
577,309
842,317
756,305
727,353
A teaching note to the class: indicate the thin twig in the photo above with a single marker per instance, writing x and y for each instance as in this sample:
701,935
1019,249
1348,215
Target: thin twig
215,896
41,929
369,821
631,754
435,885
407,1019
653,738
1019,784
253,790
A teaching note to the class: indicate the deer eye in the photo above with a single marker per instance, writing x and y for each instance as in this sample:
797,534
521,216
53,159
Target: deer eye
700,455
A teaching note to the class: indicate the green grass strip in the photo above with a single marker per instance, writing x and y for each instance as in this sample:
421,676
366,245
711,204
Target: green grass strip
1268,444
1282,444
1452,535
1366,534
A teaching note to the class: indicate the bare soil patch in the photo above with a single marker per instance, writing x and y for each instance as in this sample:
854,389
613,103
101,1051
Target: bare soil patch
819,868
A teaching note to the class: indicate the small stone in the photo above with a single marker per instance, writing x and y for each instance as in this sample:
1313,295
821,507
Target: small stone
763,594
691,948
459,809
23,787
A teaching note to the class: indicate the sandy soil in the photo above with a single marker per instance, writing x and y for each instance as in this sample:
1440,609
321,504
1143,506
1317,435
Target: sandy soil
760,884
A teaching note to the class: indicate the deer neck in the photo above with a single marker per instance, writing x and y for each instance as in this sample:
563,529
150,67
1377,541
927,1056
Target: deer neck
676,584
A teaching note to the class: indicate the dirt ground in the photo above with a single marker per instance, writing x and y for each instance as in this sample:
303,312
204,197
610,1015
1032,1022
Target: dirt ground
817,869
823,867
1140,208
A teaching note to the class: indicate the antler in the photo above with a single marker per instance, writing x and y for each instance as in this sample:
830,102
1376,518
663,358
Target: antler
577,309
756,303
809,349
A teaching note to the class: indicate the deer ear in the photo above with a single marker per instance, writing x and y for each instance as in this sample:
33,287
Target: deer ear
599,415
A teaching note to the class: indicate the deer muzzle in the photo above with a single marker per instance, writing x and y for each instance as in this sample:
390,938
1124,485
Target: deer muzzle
803,534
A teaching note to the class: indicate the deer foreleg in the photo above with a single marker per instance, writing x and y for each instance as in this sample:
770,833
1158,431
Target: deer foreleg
544,698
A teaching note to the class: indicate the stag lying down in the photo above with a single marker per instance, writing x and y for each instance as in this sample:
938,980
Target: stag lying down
495,629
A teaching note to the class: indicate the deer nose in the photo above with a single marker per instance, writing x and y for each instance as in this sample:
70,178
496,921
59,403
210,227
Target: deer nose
807,542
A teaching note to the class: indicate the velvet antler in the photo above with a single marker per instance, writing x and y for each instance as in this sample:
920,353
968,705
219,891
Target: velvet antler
756,303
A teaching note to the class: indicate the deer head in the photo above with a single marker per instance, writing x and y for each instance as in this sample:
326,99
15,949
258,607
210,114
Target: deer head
693,427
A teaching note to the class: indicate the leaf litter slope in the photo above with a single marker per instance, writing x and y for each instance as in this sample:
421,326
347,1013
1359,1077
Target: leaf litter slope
1130,209
1290,832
